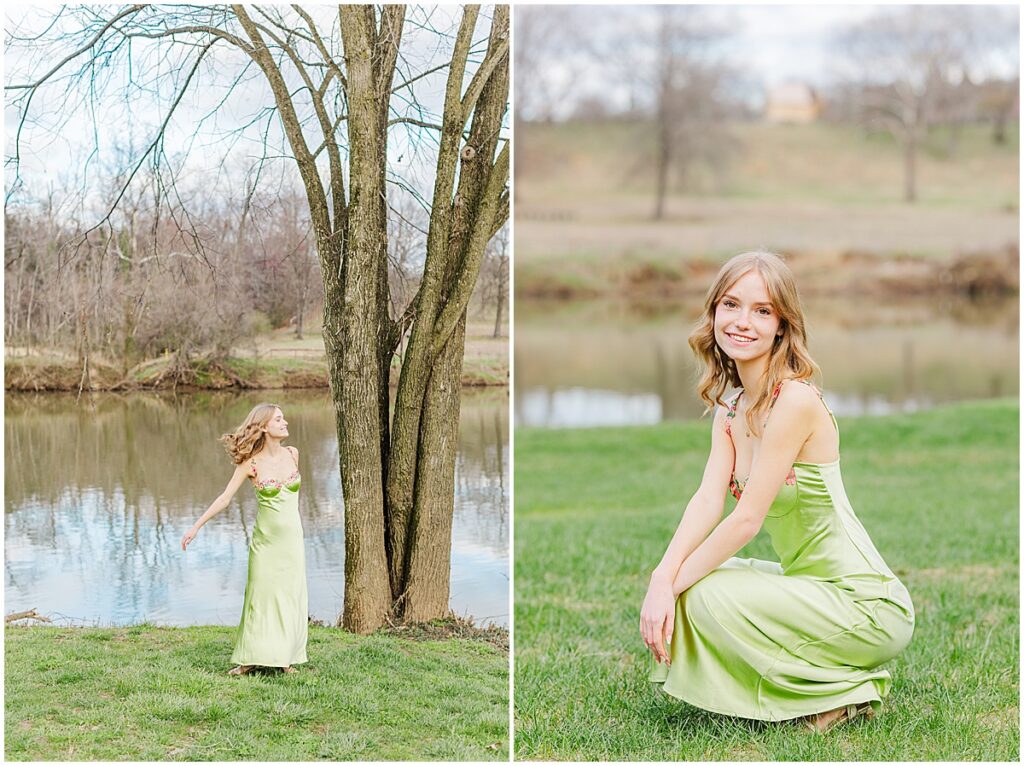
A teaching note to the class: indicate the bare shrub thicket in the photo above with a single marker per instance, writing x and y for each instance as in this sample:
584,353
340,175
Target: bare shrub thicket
138,286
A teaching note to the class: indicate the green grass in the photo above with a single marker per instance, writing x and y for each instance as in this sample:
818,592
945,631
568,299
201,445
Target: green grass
938,493
148,693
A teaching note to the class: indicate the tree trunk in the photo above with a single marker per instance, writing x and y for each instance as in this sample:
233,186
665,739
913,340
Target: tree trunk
83,350
999,121
663,161
910,166
502,287
416,365
429,572
421,478
359,379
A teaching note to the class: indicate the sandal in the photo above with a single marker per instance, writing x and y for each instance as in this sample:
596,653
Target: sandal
848,714
241,670
289,669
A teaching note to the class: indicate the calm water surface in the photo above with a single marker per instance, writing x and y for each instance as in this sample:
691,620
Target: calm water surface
99,493
604,363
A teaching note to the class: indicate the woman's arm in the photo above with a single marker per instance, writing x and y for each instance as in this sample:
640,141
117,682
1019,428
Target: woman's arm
218,505
657,615
705,507
789,426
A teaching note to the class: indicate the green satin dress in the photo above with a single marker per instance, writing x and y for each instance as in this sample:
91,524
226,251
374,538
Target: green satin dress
272,631
773,641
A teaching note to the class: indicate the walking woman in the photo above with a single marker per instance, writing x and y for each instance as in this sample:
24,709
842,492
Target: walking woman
760,639
272,631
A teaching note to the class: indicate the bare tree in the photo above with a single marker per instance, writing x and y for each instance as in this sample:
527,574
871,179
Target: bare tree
997,37
670,59
907,64
545,34
688,111
407,243
494,278
338,84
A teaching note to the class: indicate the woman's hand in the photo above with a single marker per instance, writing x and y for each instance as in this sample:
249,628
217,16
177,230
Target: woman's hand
657,618
189,537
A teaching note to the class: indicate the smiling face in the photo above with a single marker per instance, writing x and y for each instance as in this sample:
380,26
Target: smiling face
746,322
277,426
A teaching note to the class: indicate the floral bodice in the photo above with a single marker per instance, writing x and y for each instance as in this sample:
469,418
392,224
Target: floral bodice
735,485
273,484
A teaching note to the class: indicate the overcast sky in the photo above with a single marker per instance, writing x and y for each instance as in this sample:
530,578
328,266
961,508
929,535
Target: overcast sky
58,150
767,44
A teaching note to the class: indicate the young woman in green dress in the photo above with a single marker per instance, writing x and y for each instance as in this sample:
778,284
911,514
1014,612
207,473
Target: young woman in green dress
803,637
272,631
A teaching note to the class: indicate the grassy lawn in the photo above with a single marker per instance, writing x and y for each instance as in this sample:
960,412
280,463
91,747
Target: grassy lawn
937,491
151,694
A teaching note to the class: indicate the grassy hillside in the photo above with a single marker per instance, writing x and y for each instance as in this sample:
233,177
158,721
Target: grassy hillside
836,164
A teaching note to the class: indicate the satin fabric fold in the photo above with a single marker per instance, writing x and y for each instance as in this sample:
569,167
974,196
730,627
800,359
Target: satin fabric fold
772,641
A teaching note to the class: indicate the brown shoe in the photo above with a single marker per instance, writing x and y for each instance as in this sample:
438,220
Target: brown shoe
847,714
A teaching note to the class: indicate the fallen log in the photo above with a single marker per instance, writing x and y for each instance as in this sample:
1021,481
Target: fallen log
31,614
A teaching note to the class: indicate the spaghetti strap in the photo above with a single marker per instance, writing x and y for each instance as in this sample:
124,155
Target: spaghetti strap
730,412
255,473
814,388
291,451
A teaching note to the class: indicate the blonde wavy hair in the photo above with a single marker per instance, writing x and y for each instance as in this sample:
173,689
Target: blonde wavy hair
249,438
789,355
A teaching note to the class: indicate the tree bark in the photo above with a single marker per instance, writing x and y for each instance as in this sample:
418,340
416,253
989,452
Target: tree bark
367,593
428,580
474,210
417,362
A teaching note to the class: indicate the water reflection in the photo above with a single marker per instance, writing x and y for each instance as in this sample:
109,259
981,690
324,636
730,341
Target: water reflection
98,495
594,363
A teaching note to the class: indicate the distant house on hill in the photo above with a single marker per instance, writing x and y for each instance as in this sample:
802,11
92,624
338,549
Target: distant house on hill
793,102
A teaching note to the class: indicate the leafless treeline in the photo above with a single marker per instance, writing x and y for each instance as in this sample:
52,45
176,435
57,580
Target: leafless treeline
139,286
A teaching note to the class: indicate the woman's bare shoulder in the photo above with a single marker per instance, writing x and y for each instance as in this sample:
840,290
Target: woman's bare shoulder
245,468
796,396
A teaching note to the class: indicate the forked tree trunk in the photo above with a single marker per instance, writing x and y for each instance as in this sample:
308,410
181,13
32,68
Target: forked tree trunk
420,479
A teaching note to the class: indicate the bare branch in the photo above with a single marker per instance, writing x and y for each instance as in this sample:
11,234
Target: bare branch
420,76
469,270
318,41
417,123
76,53
157,139
480,77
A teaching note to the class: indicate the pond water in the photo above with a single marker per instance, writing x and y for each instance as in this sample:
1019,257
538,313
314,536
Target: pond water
598,363
99,493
